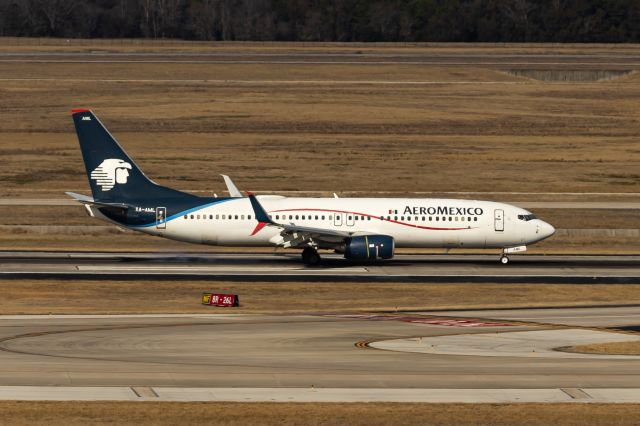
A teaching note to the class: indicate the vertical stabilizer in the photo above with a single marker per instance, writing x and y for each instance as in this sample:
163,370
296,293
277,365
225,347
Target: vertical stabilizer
113,175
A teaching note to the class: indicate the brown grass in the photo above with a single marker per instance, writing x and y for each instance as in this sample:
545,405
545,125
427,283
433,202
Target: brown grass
199,413
116,297
530,136
319,128
613,348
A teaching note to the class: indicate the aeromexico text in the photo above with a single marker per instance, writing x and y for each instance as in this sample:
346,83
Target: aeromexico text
443,210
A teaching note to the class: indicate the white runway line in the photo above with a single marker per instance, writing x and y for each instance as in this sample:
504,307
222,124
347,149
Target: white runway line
487,396
218,269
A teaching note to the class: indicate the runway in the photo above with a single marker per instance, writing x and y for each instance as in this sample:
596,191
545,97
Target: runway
496,59
305,358
278,267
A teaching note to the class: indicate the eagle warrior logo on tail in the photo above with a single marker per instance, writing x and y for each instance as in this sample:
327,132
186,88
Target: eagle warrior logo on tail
110,172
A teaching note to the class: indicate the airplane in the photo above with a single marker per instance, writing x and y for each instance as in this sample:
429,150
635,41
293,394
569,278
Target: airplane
361,229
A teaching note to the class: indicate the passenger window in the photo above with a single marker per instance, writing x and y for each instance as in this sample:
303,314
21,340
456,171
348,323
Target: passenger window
185,216
242,217
462,218
316,217
437,219
322,217
368,217
297,217
430,219
349,217
249,217
217,216
469,219
408,218
236,217
475,219
330,217
395,218
224,216
456,218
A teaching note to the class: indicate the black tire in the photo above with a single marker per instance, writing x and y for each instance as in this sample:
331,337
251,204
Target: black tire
310,256
504,260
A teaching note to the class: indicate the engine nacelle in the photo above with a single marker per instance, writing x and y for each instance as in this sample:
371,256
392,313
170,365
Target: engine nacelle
369,247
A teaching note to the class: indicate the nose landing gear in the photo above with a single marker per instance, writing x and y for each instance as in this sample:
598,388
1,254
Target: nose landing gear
504,259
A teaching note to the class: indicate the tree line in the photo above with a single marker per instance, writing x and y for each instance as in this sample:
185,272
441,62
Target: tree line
327,20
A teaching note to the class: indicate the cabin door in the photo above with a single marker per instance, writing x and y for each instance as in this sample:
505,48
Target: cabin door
337,219
499,220
161,218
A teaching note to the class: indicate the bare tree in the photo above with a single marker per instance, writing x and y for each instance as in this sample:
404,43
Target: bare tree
519,12
205,18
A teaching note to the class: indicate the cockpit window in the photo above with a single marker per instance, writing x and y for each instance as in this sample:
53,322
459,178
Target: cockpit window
527,217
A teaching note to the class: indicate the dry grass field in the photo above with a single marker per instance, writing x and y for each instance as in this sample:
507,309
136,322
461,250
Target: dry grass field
331,127
130,297
613,348
198,413
352,128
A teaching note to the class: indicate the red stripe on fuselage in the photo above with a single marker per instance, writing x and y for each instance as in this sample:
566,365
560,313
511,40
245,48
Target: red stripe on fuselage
375,217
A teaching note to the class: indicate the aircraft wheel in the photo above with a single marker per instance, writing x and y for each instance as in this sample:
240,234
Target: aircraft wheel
504,260
310,256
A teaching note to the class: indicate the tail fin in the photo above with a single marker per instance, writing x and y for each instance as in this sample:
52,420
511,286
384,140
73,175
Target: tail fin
113,175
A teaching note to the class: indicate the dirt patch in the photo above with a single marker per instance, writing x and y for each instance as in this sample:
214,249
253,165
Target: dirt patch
201,413
613,348
119,297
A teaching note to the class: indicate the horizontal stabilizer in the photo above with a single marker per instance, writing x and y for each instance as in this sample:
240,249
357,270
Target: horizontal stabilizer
84,199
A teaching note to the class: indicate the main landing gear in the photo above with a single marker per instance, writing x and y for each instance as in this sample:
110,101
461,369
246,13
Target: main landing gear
310,256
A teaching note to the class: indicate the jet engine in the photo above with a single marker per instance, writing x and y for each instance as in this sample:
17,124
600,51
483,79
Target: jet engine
369,247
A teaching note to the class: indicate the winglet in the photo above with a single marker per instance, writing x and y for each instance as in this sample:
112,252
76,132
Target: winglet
261,215
231,187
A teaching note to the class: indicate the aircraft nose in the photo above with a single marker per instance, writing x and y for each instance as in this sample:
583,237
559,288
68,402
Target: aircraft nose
547,230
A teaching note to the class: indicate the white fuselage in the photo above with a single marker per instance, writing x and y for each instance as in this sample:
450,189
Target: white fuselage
444,223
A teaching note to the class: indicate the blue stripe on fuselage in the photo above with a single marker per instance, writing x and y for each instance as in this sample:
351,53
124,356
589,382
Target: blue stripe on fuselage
182,213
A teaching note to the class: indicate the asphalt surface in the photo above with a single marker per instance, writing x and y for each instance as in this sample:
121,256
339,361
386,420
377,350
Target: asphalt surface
570,269
583,61
158,353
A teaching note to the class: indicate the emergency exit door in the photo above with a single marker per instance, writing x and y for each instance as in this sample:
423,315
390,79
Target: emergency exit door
161,217
499,220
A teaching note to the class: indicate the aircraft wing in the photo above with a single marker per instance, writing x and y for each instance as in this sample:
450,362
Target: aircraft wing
296,235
